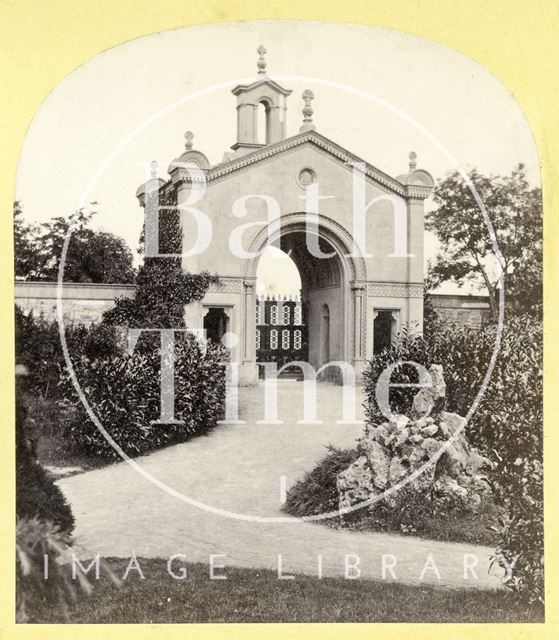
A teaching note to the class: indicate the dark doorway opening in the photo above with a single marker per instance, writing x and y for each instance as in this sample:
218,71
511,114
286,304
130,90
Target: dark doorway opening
383,333
215,324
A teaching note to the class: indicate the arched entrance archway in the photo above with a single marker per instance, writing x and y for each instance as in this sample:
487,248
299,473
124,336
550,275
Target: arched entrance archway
329,274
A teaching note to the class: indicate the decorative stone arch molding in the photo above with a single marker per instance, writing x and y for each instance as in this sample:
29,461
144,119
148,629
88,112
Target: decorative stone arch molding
330,230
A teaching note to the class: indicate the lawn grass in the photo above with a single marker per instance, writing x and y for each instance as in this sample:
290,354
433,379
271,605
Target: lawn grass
250,595
470,528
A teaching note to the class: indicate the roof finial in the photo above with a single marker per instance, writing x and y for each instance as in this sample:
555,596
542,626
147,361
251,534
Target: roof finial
188,137
413,160
153,166
261,61
308,125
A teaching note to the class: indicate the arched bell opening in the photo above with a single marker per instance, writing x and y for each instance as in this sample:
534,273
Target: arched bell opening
264,122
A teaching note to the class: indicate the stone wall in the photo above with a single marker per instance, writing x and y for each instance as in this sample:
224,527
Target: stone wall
82,302
86,302
464,310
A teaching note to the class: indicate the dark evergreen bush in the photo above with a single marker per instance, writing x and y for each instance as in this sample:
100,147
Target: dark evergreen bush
507,423
36,493
316,493
162,287
124,393
39,349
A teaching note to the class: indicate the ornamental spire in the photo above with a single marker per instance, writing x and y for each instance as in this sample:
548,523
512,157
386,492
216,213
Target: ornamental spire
188,136
413,161
308,125
261,60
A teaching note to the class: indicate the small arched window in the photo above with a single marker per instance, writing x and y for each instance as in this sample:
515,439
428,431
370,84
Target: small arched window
264,122
273,339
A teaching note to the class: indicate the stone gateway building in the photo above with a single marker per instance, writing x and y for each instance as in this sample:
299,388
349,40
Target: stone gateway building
354,232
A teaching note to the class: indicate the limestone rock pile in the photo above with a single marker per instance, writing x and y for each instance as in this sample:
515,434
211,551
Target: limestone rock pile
454,473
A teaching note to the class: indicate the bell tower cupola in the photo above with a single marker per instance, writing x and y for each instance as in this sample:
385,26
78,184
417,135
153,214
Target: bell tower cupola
261,111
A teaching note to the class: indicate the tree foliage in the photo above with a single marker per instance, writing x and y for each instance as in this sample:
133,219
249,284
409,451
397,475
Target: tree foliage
467,255
92,256
27,262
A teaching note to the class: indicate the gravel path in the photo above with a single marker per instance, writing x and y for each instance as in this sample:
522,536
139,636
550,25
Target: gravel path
244,468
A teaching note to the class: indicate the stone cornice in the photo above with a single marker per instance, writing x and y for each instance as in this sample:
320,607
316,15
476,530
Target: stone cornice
243,88
341,154
418,192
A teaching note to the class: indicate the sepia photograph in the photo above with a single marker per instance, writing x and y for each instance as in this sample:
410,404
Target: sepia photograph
278,334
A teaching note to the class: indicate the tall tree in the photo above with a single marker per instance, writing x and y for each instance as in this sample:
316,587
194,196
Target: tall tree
92,256
27,262
466,255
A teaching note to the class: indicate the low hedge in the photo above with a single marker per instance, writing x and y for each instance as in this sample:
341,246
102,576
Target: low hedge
124,392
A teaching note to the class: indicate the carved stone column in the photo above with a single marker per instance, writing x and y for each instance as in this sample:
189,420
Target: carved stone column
358,311
249,322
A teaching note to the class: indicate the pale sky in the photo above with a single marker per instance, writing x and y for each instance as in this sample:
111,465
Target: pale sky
99,105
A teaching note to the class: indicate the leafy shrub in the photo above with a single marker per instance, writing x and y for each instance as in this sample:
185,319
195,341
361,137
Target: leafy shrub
35,539
38,496
506,426
521,535
39,349
316,493
463,353
124,392
124,389
507,423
